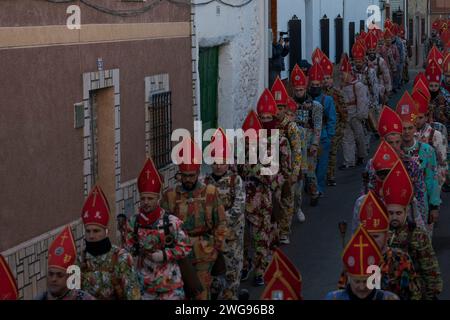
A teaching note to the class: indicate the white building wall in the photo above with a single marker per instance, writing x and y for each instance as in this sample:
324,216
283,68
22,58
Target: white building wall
242,34
311,11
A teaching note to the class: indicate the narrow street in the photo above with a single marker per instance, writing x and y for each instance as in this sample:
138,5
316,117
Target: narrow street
316,245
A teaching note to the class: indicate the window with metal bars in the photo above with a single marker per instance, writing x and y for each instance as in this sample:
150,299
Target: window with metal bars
160,117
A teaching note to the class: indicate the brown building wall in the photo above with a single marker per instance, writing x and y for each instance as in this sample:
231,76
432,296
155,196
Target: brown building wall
41,155
15,13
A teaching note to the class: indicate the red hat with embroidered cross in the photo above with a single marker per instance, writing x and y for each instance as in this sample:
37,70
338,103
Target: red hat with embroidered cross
298,78
407,108
360,253
373,214
385,157
63,251
397,187
96,208
389,122
433,72
149,180
279,92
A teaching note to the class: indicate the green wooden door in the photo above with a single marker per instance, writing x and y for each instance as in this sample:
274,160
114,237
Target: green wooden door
209,75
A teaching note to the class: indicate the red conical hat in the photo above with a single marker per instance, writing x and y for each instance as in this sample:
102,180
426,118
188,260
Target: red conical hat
435,54
389,122
433,72
252,122
385,157
279,92
388,24
421,102
149,180
292,105
298,78
360,253
194,156
96,208
8,286
283,279
317,56
266,104
407,108
358,51
388,34
371,41
421,87
62,252
327,66
222,150
421,76
345,65
397,187
316,73
446,64
373,214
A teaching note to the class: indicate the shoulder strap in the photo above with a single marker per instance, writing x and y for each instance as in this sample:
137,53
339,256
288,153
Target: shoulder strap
354,94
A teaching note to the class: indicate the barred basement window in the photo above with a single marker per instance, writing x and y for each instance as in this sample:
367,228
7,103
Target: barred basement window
160,116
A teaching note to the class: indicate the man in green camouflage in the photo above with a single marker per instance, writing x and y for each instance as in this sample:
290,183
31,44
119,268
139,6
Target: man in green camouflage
231,191
397,195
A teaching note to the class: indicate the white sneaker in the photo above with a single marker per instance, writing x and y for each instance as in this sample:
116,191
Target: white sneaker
300,216
284,240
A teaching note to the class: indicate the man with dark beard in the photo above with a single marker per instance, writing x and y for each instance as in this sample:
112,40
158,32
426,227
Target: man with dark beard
397,195
198,206
439,103
107,271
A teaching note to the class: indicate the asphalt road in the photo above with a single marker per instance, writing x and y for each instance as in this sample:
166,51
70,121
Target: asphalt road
316,245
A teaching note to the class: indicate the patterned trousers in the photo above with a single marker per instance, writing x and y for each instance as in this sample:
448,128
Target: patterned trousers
226,287
354,141
287,206
336,142
257,239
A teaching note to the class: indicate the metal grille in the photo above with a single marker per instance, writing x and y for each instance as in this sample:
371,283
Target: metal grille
160,111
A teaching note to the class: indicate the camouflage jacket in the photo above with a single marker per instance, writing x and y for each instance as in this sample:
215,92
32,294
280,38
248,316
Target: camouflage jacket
339,102
292,132
309,117
417,244
231,192
203,217
399,275
110,276
440,109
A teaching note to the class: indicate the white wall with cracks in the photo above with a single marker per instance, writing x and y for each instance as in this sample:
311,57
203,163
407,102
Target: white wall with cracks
242,37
